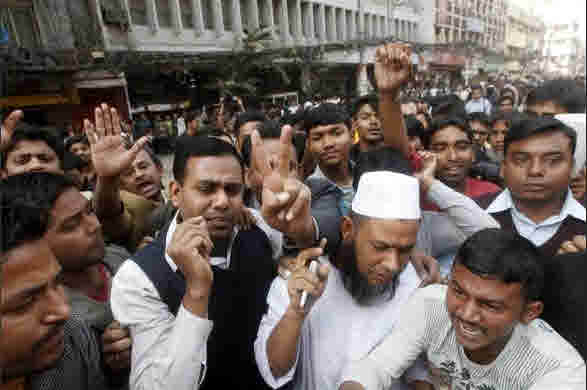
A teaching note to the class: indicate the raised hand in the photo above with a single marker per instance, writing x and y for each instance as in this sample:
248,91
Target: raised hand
10,123
393,67
109,154
427,174
577,245
285,200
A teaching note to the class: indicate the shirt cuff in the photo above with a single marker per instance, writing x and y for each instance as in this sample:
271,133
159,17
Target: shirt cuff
192,324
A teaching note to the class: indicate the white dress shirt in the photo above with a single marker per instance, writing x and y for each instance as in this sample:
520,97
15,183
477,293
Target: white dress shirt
538,233
336,331
168,352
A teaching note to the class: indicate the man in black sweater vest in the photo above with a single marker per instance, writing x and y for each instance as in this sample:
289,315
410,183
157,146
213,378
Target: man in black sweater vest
194,298
537,172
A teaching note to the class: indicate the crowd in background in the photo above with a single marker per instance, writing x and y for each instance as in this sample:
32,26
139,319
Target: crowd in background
406,239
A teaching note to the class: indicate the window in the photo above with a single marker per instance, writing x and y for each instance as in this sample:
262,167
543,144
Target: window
138,12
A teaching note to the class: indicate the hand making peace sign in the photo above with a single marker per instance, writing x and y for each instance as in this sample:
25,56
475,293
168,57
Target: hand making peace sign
285,200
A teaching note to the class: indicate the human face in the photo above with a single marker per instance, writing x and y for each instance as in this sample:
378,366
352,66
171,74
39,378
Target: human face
548,108
74,233
82,151
480,133
331,144
539,168
368,124
507,106
476,94
143,177
383,247
497,134
32,156
484,312
246,130
455,156
34,309
212,188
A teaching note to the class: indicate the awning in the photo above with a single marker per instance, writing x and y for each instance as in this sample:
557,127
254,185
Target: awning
35,100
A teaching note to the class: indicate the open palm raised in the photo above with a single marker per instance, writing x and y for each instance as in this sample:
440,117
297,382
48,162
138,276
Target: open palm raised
109,154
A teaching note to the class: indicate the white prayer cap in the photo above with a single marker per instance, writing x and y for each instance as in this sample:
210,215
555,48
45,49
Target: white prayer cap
577,122
388,195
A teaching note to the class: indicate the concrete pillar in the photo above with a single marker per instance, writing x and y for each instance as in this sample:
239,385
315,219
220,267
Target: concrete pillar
331,24
152,17
237,19
309,27
284,22
252,11
342,30
295,13
176,17
198,17
361,32
322,23
218,17
267,12
350,25
376,31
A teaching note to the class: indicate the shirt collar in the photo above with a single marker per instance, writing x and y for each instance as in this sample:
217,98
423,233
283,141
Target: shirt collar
222,262
571,207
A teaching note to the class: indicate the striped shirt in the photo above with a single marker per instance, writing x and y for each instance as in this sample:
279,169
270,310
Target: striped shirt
535,358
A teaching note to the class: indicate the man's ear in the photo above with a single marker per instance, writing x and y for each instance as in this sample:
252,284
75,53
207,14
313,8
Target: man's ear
175,194
532,311
347,229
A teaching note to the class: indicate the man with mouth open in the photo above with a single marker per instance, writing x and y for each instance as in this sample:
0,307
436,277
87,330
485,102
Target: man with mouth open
481,331
42,346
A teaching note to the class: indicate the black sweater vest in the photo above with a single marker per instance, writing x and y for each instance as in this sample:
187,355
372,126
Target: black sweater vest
237,304
570,227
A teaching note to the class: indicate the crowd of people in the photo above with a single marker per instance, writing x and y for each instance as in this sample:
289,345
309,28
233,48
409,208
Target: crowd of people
390,242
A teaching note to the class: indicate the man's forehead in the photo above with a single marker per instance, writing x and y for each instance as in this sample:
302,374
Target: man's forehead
31,146
214,169
28,266
392,230
326,128
450,133
543,143
367,108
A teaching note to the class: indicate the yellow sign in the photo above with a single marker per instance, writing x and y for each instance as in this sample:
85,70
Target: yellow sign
36,100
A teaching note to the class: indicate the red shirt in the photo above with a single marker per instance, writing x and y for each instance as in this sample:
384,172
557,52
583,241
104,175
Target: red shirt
473,189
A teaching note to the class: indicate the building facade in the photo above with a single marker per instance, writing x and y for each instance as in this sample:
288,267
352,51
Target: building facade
525,38
564,51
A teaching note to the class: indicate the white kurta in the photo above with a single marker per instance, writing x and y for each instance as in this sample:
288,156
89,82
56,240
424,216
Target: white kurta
336,331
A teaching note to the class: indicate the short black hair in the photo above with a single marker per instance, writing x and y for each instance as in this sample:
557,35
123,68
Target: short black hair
448,106
72,161
26,203
356,106
502,116
564,92
381,159
192,115
414,126
475,87
76,139
188,146
25,132
525,127
271,129
480,117
505,256
325,115
504,98
245,117
443,123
